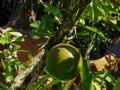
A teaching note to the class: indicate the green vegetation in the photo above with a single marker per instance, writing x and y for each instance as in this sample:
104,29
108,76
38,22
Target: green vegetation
89,25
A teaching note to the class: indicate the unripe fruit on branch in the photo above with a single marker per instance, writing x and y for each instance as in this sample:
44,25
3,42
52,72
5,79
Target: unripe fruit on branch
63,61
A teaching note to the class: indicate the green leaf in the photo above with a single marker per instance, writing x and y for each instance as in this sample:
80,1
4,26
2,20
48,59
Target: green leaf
82,22
109,8
3,41
74,16
83,34
87,12
8,76
95,30
86,77
22,65
29,53
9,29
102,9
76,87
3,86
117,85
36,24
55,11
113,20
3,64
15,47
17,39
17,34
36,33
43,28
47,24
66,85
49,85
39,82
117,27
106,76
6,38
94,12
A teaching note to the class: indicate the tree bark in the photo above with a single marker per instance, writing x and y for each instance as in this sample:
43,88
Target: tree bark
37,68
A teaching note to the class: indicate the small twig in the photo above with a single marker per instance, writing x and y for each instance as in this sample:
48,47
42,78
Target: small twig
90,47
36,72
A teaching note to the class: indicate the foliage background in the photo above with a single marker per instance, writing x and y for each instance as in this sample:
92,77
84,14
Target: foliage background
89,25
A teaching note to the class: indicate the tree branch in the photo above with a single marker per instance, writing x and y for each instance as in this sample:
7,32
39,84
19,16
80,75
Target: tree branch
36,67
22,74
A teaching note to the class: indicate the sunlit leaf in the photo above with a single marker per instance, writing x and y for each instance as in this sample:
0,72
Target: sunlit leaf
15,47
8,76
82,22
110,7
101,10
22,66
3,41
6,38
9,29
95,30
17,34
113,20
17,39
106,76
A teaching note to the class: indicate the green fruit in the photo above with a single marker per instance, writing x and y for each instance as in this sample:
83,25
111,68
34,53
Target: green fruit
64,61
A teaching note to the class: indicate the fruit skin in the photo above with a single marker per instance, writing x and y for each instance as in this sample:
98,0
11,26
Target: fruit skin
63,61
